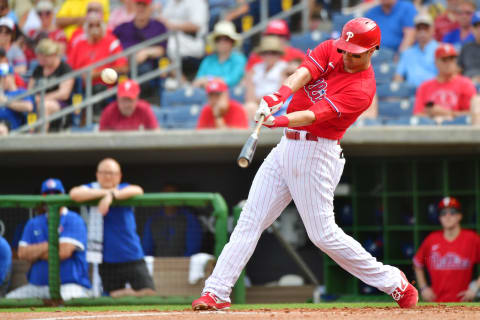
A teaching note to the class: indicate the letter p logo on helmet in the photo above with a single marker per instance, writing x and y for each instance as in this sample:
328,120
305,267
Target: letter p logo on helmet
349,35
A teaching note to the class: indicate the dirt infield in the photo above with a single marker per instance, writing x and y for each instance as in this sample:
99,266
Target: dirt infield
377,313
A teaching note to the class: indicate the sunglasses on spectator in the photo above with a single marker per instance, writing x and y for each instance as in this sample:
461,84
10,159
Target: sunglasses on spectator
44,13
93,9
94,25
345,52
446,211
5,31
466,12
448,59
222,38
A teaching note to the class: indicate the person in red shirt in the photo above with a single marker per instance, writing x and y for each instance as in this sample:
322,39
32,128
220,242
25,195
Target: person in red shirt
128,112
97,45
334,84
449,94
221,111
278,28
449,256
447,21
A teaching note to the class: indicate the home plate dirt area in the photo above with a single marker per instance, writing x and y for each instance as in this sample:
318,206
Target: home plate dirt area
438,312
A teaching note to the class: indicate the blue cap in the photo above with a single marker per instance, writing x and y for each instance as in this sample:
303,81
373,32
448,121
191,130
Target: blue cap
476,17
52,184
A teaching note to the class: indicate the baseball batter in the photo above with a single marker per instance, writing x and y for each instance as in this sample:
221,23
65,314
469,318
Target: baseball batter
334,84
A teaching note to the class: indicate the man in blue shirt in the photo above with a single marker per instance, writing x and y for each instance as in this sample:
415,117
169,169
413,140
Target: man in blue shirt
5,265
417,63
122,252
33,247
225,63
395,19
463,34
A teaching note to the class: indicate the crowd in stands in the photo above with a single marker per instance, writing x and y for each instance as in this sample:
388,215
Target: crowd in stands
47,39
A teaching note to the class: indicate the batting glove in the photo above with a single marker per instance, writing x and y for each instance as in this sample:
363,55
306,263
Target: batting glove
263,110
275,122
275,100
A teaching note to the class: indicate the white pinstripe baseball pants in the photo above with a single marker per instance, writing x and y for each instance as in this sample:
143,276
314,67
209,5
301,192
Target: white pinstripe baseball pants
308,172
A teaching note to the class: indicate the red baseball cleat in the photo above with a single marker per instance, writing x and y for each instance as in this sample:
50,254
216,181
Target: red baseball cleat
406,295
209,301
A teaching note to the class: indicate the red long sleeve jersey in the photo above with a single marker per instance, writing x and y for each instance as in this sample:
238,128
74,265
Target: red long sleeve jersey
347,94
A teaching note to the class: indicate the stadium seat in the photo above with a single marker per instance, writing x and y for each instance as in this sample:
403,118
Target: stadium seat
395,109
458,121
339,19
184,96
399,90
308,40
178,117
383,55
384,72
410,121
237,93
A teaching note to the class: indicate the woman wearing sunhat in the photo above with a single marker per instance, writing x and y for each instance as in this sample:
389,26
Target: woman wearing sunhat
267,75
225,62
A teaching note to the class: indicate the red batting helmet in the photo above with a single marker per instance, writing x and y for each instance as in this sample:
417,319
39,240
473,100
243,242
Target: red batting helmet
278,28
449,202
359,35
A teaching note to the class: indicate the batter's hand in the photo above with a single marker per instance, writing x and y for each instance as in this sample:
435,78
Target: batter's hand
263,110
428,294
275,100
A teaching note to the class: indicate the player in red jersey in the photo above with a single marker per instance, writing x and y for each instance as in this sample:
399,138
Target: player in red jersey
449,256
333,86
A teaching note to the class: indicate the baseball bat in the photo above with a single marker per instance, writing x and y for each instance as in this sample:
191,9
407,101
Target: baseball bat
246,155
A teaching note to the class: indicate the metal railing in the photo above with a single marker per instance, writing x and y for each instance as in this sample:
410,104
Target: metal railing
90,99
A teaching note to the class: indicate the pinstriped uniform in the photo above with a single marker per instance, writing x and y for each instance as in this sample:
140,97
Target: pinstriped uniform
308,172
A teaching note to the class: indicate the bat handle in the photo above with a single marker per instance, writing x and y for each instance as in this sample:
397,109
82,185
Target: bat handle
259,125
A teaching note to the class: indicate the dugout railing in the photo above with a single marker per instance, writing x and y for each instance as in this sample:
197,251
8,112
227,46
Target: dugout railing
54,202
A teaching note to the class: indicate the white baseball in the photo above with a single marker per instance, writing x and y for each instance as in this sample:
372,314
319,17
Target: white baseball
109,76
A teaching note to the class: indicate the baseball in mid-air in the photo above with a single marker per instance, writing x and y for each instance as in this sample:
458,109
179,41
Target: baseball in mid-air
109,76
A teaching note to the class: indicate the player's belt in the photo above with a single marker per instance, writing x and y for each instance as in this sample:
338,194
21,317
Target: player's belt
296,135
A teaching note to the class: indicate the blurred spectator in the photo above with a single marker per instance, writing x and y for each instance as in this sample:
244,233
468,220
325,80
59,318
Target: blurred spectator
73,13
463,34
190,18
143,27
98,45
6,12
265,77
128,112
51,66
122,251
224,63
122,14
279,29
12,113
469,59
447,21
220,111
227,10
395,19
93,7
448,254
5,266
33,247
449,94
8,35
46,27
417,63
172,231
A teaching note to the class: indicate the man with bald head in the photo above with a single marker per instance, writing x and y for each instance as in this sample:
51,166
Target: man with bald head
122,252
